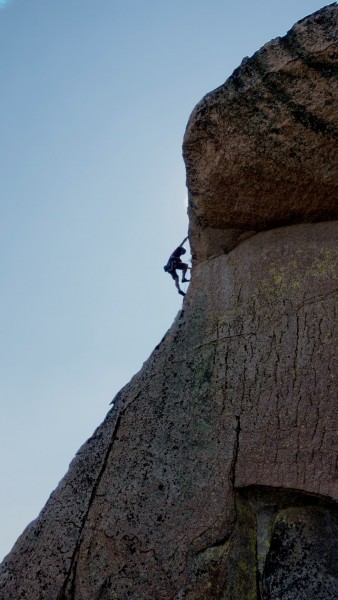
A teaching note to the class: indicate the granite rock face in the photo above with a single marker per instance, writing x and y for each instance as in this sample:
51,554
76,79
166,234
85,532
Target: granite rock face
302,559
261,150
214,474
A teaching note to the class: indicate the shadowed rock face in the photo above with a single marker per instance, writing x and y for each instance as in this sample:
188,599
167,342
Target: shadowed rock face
261,150
213,476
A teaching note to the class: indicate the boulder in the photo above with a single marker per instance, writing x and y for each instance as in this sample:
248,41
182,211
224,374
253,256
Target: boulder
261,150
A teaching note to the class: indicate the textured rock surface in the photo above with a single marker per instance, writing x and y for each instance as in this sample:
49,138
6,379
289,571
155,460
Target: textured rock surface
261,150
302,560
187,490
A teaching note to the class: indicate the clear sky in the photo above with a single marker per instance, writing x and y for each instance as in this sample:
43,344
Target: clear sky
95,97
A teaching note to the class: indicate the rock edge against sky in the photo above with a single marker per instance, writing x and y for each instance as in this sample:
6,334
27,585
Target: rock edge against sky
214,474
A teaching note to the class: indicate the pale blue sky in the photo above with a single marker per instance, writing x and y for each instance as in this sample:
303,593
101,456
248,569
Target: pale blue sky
94,102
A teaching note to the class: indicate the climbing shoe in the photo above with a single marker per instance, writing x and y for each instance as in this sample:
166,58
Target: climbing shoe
185,280
180,292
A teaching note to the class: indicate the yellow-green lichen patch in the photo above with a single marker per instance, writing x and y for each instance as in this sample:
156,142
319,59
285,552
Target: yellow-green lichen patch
325,265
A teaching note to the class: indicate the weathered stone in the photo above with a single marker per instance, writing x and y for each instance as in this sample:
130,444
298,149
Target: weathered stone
240,391
302,560
261,150
165,501
284,545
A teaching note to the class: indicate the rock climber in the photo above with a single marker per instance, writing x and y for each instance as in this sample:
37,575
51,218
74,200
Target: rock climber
175,263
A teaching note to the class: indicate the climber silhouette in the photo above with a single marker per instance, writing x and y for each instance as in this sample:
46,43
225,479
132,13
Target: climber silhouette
175,263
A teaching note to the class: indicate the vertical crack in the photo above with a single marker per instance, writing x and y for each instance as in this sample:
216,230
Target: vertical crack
232,474
73,564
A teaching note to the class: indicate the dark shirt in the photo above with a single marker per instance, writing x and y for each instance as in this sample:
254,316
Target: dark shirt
178,252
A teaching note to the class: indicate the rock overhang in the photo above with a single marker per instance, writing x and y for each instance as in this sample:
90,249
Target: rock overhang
261,151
